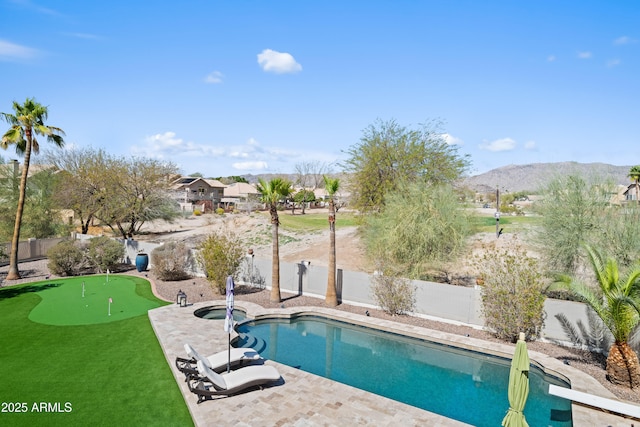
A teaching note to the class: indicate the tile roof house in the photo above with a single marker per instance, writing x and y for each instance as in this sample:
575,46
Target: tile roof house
197,193
241,195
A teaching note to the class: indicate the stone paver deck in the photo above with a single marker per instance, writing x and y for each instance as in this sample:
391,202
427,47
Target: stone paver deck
304,399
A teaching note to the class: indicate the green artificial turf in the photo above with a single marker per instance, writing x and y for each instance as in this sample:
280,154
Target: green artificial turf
65,303
111,373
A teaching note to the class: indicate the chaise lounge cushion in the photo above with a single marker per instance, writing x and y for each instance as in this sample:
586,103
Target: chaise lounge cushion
243,378
218,361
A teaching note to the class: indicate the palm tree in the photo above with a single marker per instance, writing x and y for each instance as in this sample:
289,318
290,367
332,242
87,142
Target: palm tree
616,302
332,185
26,123
634,174
270,193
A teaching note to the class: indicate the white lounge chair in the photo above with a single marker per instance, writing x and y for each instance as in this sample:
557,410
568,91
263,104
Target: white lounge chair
212,384
216,362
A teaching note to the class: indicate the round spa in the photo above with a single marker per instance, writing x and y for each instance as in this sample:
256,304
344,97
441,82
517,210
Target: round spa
218,313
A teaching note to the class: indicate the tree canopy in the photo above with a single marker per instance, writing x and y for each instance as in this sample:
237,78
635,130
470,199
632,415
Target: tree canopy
389,154
122,193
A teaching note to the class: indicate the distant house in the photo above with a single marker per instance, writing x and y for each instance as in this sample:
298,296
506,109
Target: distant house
630,193
194,193
322,197
241,195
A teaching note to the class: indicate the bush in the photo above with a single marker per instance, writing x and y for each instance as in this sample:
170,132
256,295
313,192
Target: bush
421,227
197,212
66,259
220,256
170,260
220,211
512,297
393,294
104,253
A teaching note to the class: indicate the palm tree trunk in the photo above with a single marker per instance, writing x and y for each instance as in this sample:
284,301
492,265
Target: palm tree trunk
275,258
622,365
331,298
14,273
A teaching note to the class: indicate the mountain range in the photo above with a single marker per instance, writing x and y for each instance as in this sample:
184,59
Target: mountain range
535,176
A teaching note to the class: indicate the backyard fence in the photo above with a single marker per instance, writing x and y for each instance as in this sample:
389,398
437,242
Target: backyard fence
30,250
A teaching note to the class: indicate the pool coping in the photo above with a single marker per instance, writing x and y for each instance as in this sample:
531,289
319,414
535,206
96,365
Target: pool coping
307,399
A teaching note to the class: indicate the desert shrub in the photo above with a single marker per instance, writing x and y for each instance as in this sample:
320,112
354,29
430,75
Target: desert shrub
573,212
220,211
66,259
171,260
393,294
420,227
513,292
104,253
197,212
220,256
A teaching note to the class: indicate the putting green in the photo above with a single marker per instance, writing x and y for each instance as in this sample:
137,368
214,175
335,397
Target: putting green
65,303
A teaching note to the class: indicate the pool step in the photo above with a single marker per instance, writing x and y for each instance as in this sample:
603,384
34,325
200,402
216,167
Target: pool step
250,341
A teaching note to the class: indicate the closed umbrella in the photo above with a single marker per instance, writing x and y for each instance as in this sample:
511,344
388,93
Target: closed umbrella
228,320
518,386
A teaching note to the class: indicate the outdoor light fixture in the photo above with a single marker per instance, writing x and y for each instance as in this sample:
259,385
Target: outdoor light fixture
181,299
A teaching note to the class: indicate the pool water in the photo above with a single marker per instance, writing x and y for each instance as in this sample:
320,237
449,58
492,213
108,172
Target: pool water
460,384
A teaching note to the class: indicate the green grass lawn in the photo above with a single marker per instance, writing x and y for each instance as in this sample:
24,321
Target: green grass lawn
82,366
314,221
511,224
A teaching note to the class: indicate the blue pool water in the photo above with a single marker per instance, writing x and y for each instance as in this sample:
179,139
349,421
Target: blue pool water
464,385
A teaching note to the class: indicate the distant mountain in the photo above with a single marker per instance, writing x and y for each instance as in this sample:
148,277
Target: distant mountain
533,177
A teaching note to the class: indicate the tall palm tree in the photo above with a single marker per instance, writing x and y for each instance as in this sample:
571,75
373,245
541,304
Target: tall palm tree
634,174
617,303
271,193
332,185
26,123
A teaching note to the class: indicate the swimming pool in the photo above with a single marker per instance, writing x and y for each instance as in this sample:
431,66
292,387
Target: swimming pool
460,384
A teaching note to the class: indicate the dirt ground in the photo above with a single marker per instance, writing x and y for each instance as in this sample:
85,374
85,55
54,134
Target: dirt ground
255,233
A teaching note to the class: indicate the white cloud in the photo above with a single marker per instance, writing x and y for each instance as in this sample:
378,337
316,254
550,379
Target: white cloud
613,63
624,40
452,140
244,166
214,77
503,144
15,51
584,55
551,58
167,146
530,145
223,159
278,62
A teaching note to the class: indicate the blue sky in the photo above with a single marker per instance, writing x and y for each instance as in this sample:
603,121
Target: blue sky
235,87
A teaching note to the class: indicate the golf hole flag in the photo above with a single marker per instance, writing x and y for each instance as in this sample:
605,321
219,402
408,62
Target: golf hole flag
110,302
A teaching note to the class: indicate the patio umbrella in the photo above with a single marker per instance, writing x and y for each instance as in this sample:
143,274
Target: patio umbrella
518,386
228,320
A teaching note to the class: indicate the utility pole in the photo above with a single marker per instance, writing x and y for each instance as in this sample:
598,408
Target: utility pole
497,214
